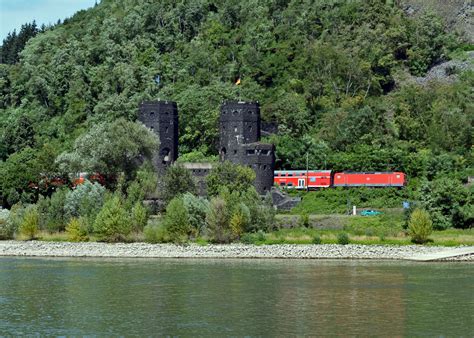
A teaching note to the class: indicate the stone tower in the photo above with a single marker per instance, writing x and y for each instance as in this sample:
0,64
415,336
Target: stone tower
261,158
162,118
239,128
239,124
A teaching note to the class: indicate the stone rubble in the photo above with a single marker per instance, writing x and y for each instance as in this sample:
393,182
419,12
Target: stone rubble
145,250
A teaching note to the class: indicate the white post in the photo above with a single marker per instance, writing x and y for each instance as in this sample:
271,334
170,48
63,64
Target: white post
354,210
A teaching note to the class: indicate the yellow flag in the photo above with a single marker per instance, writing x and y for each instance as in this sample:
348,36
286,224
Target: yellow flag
238,81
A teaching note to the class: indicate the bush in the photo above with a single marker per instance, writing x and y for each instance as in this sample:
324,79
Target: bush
30,225
197,208
232,176
177,221
6,228
317,239
51,211
176,182
85,200
239,220
139,216
156,233
343,238
77,230
217,220
420,226
113,222
247,238
303,221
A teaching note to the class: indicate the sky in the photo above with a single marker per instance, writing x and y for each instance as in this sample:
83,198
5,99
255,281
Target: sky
14,13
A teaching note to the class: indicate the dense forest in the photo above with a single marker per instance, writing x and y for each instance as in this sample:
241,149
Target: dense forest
333,75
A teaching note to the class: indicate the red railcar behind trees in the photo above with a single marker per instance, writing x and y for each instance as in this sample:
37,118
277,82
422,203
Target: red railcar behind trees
302,179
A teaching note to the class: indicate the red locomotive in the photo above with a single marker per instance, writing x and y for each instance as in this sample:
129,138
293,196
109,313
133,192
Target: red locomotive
312,179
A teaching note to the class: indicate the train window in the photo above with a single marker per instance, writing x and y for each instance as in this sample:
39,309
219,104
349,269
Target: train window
398,176
290,184
312,179
290,174
282,184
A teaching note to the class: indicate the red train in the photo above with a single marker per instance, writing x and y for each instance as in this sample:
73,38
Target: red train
312,179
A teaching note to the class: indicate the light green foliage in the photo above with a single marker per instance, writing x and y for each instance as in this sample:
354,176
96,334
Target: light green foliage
112,223
144,184
30,224
85,201
76,230
197,208
156,233
317,239
420,226
240,220
138,217
304,220
234,177
6,228
110,148
177,181
176,221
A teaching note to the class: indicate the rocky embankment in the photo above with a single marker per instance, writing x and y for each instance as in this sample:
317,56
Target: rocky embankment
144,250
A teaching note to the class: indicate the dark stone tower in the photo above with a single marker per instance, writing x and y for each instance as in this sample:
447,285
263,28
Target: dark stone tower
239,142
162,118
239,124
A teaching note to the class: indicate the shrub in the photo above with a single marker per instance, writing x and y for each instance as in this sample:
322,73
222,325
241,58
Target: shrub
343,238
247,238
197,208
232,176
420,226
316,239
156,233
85,200
6,228
303,221
30,225
51,211
177,181
217,220
177,221
139,216
112,223
77,230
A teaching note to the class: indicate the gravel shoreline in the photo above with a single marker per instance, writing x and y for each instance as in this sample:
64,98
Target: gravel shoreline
145,250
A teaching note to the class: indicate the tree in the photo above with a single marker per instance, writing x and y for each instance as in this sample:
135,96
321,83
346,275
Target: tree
448,202
113,222
231,176
176,182
217,220
420,226
177,221
111,148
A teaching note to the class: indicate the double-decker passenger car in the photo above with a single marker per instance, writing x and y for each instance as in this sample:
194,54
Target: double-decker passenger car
302,179
313,179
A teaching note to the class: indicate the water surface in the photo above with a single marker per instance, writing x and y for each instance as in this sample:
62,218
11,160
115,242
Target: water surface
234,297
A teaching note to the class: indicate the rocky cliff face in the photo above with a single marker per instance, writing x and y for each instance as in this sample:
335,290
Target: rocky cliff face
457,13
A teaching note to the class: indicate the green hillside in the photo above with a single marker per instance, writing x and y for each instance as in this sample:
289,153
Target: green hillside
324,71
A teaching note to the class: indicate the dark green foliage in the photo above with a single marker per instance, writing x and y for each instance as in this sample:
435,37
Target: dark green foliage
448,202
230,176
217,219
176,182
53,216
343,238
14,43
324,71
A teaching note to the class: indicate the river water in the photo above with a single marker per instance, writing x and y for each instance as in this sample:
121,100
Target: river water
234,297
